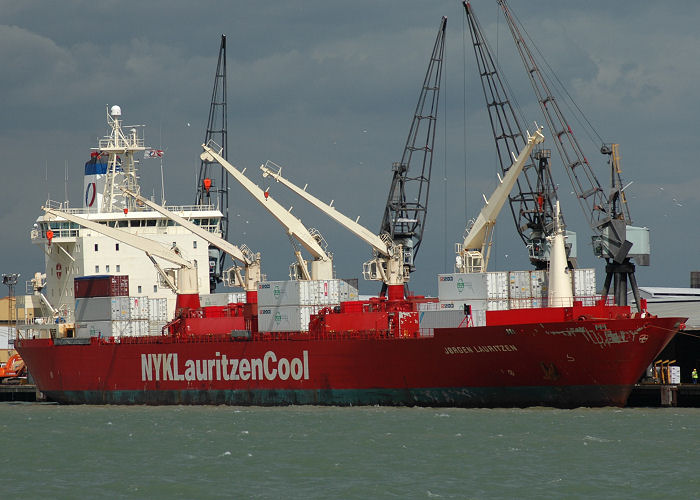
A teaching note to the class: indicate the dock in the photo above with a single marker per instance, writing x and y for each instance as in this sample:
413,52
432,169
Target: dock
660,395
20,392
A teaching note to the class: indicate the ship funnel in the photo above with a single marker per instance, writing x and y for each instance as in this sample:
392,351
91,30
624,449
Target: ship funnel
115,111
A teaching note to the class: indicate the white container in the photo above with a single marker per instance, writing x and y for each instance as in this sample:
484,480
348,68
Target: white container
312,292
497,305
539,284
286,318
441,319
461,286
158,309
138,308
497,285
222,299
674,373
520,284
155,328
584,282
102,309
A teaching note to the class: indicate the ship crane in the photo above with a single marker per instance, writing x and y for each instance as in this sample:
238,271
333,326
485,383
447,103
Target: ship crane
322,265
606,210
388,262
473,254
251,261
184,283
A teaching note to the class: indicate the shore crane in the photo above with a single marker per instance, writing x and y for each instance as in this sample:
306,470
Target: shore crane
606,209
473,254
533,199
183,282
251,261
406,207
322,264
387,265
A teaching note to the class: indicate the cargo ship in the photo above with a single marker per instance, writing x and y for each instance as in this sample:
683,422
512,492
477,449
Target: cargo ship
361,353
315,341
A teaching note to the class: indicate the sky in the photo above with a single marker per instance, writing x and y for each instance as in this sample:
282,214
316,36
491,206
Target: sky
327,89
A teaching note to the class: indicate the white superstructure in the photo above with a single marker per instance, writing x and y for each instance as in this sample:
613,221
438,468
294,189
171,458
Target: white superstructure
71,250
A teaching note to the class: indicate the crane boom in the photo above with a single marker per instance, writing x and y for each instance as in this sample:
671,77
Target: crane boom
481,231
388,264
323,265
149,246
357,229
186,286
407,204
209,237
606,215
251,262
532,200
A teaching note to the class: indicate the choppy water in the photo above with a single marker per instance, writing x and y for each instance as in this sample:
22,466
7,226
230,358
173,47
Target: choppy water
49,451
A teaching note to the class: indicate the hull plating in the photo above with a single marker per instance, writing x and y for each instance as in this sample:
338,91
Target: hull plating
564,364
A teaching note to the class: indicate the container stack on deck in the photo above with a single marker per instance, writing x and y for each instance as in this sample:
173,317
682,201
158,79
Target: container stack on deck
104,308
495,291
287,306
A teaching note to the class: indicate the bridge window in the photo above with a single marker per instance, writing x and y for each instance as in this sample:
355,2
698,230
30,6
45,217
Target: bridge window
95,247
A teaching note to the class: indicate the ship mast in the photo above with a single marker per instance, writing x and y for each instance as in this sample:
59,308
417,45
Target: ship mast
121,165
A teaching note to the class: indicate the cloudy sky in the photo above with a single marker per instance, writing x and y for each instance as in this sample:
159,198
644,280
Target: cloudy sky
327,89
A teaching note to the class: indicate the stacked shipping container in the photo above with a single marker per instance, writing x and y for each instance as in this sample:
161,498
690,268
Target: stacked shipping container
287,306
103,308
496,291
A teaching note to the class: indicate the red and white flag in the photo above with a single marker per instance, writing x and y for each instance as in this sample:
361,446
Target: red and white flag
153,153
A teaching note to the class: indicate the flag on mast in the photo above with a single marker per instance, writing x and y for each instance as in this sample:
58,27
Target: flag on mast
153,153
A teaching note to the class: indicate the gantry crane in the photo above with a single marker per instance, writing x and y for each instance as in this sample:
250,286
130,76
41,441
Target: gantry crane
322,265
407,205
605,209
532,202
387,265
248,280
473,254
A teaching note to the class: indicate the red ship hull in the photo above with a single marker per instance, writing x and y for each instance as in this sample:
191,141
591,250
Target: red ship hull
518,363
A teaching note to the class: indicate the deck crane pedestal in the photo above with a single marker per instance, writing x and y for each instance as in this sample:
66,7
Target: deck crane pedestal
473,254
251,261
387,265
322,265
603,208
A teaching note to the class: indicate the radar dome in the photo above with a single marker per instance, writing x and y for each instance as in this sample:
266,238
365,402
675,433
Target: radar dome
116,111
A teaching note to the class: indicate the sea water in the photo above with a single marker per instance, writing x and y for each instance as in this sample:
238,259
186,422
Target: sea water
51,451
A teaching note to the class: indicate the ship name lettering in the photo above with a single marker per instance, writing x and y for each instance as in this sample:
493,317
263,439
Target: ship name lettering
465,349
166,366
